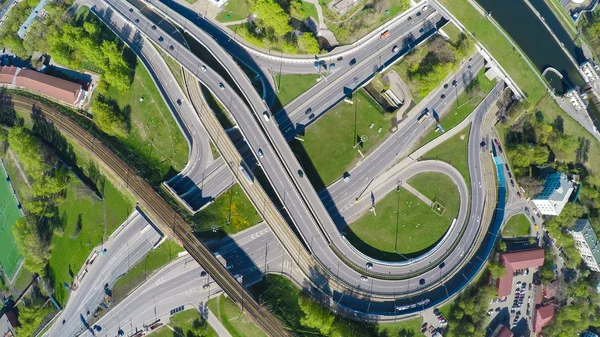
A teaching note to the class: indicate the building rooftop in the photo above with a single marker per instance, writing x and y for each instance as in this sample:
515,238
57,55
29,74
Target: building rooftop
6,328
505,332
7,74
556,188
48,85
551,289
584,226
532,258
543,316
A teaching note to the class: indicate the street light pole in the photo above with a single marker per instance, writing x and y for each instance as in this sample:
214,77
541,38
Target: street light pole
397,217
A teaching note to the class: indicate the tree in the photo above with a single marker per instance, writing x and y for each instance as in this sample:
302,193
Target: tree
108,119
315,316
502,246
523,155
30,317
309,43
272,16
497,270
35,252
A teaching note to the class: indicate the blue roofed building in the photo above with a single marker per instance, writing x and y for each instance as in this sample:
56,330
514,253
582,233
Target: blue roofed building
555,195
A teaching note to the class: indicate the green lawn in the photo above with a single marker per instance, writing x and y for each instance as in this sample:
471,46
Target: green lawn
551,110
154,133
309,9
173,65
236,9
454,151
10,257
358,22
234,320
328,145
498,46
417,87
517,226
243,214
411,327
151,263
187,323
452,31
438,187
419,227
462,108
82,219
291,86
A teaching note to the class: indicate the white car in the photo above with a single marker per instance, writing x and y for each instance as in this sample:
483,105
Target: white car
221,86
266,116
425,8
364,278
260,153
369,265
203,68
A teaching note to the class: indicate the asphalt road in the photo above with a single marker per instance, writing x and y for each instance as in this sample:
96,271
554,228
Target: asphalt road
181,283
198,174
130,242
281,166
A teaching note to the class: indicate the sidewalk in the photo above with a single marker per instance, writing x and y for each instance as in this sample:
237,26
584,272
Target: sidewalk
418,194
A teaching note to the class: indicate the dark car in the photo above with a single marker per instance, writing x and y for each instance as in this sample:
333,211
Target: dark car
443,96
418,13
160,39
153,27
130,10
178,102
422,281
409,18
171,47
203,273
137,20
311,116
300,173
352,62
446,86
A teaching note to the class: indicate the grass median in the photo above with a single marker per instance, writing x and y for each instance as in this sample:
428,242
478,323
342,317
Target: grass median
462,106
455,152
141,271
232,318
187,323
291,86
403,226
517,226
330,145
230,213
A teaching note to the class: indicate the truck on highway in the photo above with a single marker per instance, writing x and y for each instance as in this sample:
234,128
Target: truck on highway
385,34
423,116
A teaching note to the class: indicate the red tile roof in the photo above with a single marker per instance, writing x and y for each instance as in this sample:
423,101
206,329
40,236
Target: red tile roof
539,296
505,332
551,289
7,74
543,316
54,87
518,260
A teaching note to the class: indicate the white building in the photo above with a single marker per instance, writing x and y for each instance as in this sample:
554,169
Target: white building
556,193
590,72
577,100
587,243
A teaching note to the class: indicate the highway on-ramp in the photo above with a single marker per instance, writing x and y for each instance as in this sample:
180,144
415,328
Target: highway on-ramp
130,242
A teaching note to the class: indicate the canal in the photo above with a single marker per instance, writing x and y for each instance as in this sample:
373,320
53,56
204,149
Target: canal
526,29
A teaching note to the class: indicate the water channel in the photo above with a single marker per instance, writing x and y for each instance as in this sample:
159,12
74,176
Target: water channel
526,29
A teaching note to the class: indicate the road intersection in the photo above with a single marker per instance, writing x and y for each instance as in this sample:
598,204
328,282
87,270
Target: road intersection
318,216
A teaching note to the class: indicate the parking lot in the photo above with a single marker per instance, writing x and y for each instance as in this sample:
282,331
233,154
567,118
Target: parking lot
517,309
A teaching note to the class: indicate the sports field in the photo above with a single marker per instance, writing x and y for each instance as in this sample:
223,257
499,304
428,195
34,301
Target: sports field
9,213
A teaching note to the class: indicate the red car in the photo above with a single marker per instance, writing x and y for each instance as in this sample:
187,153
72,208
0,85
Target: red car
425,325
519,195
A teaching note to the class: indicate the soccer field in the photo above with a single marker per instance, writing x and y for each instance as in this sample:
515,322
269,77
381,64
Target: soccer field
9,213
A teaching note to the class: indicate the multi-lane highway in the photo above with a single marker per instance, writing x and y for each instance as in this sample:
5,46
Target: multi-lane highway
203,178
128,244
182,281
279,163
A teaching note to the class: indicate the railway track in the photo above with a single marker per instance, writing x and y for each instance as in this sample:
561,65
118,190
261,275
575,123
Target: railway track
160,209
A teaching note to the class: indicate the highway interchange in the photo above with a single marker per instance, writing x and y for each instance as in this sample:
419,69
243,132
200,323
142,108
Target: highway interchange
320,216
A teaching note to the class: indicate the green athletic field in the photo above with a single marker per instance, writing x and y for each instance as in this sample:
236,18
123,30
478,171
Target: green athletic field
9,213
